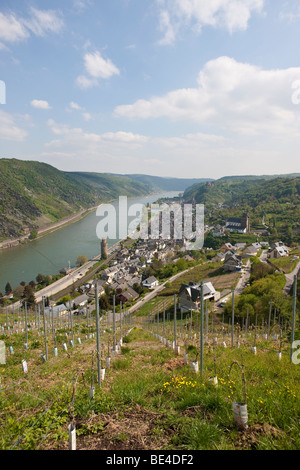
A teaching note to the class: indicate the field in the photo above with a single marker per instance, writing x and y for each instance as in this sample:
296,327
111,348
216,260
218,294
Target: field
150,398
208,271
288,263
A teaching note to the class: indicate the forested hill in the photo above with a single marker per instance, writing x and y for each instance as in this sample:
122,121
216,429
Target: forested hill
248,191
34,194
167,184
276,202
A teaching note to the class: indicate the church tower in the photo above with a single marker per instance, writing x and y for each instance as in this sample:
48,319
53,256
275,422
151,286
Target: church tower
245,222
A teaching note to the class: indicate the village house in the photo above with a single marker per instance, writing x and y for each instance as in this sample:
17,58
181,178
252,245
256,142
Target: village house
150,282
119,285
129,295
190,295
239,246
232,262
226,247
134,280
56,311
218,231
65,271
81,303
92,289
278,250
250,251
109,274
218,257
81,300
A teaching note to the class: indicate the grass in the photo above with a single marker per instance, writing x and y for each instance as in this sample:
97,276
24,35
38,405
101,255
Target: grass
149,399
208,271
286,264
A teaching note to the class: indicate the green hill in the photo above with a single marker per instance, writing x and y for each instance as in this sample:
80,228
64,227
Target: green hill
34,194
274,200
109,185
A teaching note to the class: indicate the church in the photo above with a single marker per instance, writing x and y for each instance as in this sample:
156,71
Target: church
240,225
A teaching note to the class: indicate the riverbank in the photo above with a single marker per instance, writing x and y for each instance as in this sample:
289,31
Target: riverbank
43,231
46,230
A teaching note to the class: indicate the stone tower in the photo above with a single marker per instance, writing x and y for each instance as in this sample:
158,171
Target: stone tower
104,248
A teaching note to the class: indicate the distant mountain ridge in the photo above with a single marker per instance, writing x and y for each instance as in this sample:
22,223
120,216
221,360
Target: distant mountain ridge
258,177
167,183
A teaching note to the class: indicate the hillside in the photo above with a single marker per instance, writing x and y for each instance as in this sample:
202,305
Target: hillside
276,202
34,194
167,184
258,177
108,185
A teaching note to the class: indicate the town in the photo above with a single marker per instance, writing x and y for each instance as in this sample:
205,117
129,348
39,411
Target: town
128,270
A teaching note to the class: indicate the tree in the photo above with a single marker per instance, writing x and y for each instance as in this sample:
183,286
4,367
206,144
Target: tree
32,284
47,280
28,296
18,292
1,299
8,289
138,288
40,278
81,260
33,234
211,242
104,302
195,254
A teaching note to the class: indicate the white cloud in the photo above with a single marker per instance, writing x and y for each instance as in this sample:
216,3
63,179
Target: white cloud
84,82
232,96
232,15
86,116
12,29
8,128
205,154
81,5
40,104
124,137
98,67
167,28
75,106
78,135
40,23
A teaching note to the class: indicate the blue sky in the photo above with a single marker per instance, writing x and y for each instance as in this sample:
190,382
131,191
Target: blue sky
183,88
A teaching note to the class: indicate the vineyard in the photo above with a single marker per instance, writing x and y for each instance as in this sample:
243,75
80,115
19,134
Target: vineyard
154,381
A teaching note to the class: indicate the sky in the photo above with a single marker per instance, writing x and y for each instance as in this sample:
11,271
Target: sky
174,88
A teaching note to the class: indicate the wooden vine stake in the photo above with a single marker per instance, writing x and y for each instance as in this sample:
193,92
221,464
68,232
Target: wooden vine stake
240,409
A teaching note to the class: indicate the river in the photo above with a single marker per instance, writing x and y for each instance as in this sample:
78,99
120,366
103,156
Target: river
56,250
